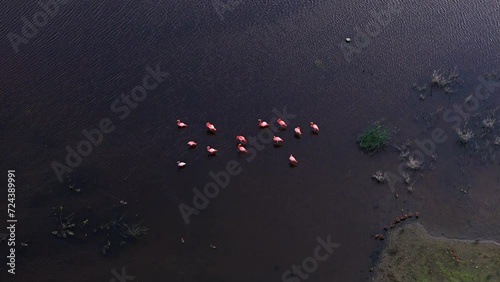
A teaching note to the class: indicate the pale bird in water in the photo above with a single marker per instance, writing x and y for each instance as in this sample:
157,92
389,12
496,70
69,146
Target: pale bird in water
292,159
242,149
263,124
210,126
277,139
297,131
181,164
180,124
241,139
192,144
211,150
314,127
281,123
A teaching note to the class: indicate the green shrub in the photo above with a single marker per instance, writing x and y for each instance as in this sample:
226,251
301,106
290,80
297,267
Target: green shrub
374,137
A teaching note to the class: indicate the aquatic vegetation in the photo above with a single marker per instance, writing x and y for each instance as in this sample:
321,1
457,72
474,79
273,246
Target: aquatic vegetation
414,163
465,135
134,231
380,176
489,122
496,141
438,79
469,98
128,231
404,150
441,80
453,76
492,76
404,153
72,188
420,88
374,137
106,248
66,225
406,177
124,229
319,64
410,188
448,90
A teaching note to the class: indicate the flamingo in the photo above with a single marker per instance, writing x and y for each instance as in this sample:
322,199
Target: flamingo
281,123
210,126
192,144
314,127
263,124
277,139
292,159
212,151
242,149
241,139
181,164
180,124
297,131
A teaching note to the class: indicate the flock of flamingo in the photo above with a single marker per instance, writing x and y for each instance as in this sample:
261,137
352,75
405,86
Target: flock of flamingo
242,140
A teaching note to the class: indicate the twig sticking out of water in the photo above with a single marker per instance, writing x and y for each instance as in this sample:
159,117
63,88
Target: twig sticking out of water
129,231
407,177
380,176
404,151
414,163
497,140
489,122
65,225
448,90
419,88
439,79
410,187
465,135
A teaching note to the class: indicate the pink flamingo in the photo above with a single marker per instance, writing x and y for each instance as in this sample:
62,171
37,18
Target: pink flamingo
241,139
210,126
192,144
292,159
281,123
277,139
297,131
314,127
263,124
210,150
242,149
180,124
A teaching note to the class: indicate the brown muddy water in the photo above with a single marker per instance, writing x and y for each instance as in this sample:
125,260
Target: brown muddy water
231,69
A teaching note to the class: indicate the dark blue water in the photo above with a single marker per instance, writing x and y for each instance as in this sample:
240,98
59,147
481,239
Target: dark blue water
232,69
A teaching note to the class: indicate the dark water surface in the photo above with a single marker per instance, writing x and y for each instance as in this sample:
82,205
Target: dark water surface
263,55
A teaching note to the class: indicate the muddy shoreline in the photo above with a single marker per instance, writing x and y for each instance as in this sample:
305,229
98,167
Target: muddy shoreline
412,254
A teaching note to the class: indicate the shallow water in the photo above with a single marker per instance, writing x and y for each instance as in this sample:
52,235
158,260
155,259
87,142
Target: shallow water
259,58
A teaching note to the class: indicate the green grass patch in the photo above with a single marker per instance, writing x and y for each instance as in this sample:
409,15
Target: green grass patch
374,137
